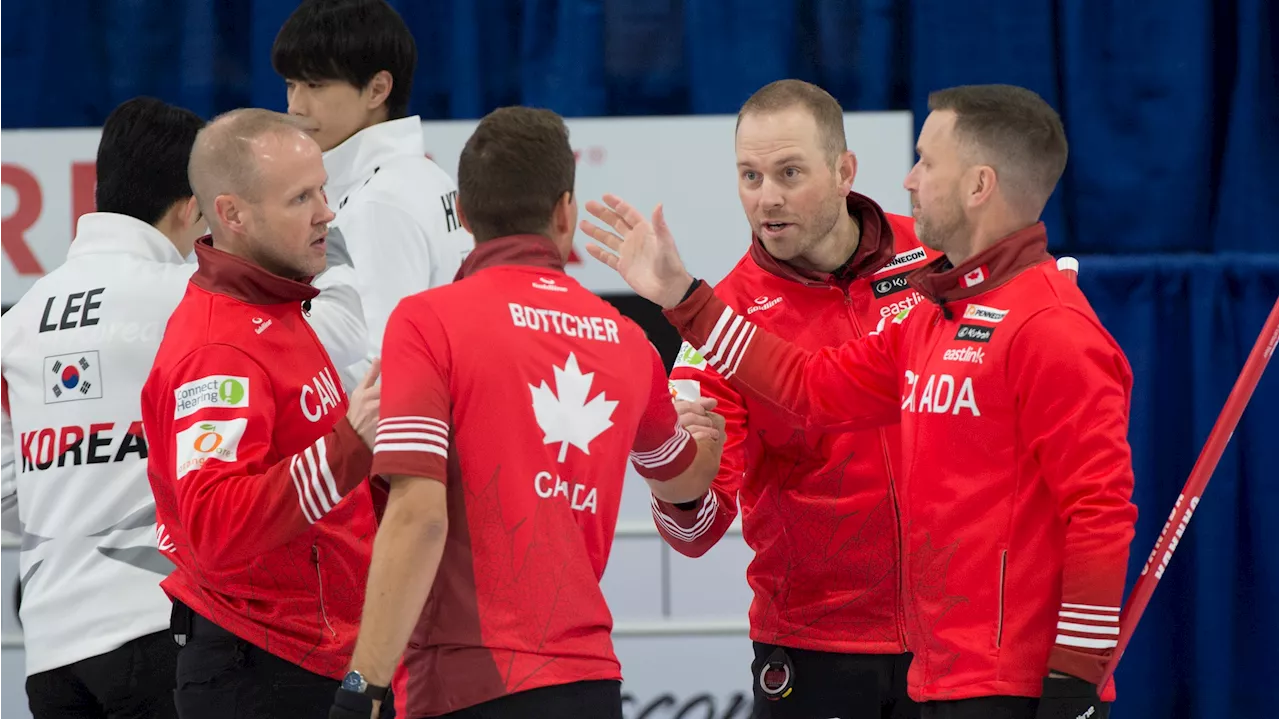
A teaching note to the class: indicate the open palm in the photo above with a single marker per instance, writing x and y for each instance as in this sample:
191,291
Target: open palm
642,251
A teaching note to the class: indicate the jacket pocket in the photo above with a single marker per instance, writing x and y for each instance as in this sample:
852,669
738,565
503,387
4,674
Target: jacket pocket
324,614
1004,566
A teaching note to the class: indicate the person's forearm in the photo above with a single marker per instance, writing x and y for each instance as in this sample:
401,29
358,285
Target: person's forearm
693,483
406,555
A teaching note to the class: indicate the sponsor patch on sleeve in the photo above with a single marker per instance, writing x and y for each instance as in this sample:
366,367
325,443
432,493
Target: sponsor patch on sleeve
218,390
204,441
685,389
690,357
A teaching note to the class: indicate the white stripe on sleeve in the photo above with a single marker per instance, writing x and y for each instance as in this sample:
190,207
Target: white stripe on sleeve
1088,626
705,518
302,483
308,513
665,452
412,434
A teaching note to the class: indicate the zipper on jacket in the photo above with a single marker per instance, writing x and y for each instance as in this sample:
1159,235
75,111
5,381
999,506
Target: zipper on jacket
900,620
943,314
315,559
1004,563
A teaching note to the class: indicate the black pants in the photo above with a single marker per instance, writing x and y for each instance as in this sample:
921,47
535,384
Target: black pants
991,708
805,684
221,676
594,699
134,681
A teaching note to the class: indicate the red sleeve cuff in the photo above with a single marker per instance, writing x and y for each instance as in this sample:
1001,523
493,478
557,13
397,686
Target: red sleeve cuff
669,459
350,457
696,316
1079,664
685,524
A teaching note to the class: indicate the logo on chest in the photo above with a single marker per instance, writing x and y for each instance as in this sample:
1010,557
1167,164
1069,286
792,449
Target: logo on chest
984,313
940,394
902,259
763,302
319,396
974,333
905,303
963,354
890,285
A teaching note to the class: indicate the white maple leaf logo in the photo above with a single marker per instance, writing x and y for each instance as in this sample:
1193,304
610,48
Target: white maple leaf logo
565,415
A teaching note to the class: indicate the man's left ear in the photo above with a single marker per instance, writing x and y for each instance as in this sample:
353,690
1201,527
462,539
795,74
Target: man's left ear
983,184
191,212
379,89
847,170
565,218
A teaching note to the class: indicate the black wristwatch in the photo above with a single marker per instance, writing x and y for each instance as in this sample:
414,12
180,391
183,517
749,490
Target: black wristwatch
355,683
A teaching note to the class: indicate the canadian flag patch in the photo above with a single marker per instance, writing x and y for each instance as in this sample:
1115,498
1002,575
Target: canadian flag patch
974,278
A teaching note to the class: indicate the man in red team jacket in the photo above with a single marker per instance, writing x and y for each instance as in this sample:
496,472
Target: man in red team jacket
1013,402
257,459
818,508
512,400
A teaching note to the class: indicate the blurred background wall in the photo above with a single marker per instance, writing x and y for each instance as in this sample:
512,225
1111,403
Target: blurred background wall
1170,108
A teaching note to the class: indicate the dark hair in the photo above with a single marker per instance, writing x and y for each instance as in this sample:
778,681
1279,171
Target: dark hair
513,170
142,158
1014,130
785,94
351,41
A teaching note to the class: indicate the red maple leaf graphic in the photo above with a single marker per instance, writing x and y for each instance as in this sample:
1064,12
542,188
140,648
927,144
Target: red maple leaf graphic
928,603
524,567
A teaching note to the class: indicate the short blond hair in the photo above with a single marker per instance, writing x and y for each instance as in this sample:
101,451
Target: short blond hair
223,160
783,95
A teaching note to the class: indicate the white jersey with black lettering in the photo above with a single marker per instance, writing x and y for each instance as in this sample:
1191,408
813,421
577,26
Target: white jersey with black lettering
396,226
76,351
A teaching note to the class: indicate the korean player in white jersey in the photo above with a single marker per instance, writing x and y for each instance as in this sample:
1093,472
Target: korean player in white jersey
76,350
348,71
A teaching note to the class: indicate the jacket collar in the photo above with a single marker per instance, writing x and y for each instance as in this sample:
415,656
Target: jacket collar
110,233
227,274
875,249
364,153
941,282
528,250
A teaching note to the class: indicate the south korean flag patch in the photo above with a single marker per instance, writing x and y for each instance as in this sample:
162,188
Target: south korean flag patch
72,377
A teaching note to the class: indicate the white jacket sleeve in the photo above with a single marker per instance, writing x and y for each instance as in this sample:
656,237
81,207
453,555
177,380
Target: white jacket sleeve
337,314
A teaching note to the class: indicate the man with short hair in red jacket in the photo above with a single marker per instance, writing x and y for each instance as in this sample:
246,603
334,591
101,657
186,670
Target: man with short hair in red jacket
514,399
818,508
1013,401
257,460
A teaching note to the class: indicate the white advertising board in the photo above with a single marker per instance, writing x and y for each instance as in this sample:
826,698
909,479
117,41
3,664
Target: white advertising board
686,163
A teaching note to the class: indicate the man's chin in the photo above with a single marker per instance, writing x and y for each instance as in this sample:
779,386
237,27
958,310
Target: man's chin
781,250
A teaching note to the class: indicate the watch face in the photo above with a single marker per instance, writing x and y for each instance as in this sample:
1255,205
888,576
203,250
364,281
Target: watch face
354,682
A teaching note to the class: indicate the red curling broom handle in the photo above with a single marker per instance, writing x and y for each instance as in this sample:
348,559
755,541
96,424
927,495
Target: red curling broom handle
1199,479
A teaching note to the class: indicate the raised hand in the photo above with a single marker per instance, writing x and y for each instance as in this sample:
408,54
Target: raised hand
642,251
365,402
